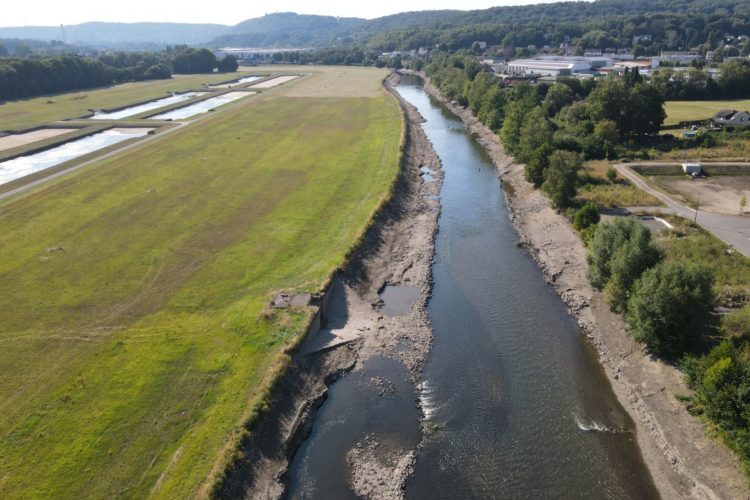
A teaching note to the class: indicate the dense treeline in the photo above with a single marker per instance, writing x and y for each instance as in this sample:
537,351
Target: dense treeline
647,26
695,83
588,118
33,76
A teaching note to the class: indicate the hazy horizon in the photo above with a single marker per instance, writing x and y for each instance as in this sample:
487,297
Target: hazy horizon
51,13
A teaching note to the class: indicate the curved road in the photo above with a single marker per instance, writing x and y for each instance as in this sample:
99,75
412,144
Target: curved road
734,230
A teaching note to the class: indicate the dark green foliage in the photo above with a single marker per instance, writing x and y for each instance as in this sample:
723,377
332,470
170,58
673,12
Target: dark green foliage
627,264
560,177
612,174
191,60
610,237
670,307
721,381
227,64
586,216
35,76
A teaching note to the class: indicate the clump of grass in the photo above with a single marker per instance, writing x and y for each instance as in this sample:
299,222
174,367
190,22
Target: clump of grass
615,195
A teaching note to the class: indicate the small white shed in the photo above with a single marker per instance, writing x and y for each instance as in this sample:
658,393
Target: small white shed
692,168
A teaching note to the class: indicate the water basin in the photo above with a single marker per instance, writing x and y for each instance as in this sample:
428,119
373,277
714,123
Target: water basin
25,165
397,300
200,107
148,106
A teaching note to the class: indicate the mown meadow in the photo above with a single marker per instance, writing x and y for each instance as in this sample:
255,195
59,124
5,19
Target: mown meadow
133,315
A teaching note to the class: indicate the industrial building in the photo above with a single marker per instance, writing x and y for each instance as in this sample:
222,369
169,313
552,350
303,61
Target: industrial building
558,65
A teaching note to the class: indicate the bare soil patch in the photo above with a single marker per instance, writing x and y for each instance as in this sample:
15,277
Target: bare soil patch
14,140
718,194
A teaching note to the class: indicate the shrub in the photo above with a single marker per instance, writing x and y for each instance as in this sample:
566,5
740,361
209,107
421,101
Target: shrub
612,174
671,307
560,177
586,216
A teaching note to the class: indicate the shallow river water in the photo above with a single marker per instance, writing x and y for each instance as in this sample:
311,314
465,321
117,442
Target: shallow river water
523,408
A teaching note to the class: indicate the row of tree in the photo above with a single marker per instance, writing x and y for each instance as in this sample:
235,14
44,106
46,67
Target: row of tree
554,125
33,76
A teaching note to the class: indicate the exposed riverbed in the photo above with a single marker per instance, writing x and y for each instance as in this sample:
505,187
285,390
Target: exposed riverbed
515,400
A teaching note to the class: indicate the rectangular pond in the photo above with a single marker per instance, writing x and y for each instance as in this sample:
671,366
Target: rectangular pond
244,79
147,106
11,141
22,166
274,82
200,107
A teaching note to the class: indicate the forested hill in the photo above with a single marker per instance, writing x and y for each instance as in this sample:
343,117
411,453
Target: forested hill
614,18
612,22
117,34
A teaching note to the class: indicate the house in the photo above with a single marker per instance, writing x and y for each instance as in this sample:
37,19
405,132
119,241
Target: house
692,168
732,118
680,56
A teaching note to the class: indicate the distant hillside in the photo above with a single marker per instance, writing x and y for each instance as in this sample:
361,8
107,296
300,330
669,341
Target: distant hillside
417,28
113,34
289,30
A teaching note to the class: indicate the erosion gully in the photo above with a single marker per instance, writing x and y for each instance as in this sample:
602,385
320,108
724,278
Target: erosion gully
513,401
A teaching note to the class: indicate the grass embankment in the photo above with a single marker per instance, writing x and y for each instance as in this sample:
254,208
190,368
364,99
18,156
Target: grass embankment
133,341
596,187
684,111
27,113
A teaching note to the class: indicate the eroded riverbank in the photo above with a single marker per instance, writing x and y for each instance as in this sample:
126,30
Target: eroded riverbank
382,365
683,461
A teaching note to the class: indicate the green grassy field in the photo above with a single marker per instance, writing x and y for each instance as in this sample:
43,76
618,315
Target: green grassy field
27,113
679,111
134,344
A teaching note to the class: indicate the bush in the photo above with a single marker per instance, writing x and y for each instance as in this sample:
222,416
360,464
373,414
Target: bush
560,177
627,264
671,307
721,381
609,238
612,174
586,216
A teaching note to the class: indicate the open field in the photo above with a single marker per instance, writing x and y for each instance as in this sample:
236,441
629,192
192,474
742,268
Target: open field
717,194
598,189
680,111
134,344
28,113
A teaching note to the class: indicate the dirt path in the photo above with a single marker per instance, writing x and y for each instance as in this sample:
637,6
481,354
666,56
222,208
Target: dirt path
734,230
683,461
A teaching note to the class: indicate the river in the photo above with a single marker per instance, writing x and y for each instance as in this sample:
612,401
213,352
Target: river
522,407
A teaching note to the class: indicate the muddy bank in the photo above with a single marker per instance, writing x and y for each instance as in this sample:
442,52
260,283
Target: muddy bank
683,461
397,250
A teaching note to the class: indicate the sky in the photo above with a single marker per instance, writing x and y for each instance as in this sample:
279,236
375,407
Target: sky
56,12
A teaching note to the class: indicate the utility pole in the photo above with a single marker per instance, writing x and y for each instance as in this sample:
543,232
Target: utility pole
697,206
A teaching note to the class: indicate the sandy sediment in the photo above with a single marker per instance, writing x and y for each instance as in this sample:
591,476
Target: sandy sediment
683,460
397,250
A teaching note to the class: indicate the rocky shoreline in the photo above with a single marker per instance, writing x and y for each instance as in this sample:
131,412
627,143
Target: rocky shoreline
396,250
684,462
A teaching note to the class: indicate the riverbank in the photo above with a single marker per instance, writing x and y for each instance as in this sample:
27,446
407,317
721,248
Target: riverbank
683,461
396,250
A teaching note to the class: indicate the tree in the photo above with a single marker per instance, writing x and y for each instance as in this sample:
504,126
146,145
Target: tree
227,64
157,72
558,96
671,307
3,51
560,177
535,145
510,134
628,262
586,216
735,78
743,203
612,174
608,134
191,60
644,110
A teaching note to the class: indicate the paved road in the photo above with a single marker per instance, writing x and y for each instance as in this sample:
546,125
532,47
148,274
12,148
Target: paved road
732,229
